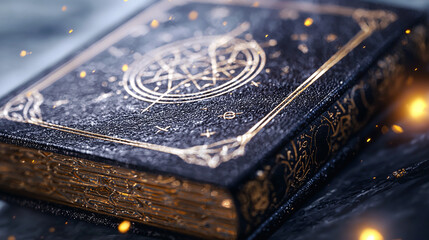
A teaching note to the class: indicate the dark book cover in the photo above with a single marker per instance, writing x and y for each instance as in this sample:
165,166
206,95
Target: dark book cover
205,118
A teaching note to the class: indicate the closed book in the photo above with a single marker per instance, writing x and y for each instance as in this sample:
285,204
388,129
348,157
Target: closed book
202,117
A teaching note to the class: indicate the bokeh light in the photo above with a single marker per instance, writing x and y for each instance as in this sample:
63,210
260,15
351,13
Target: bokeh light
370,234
124,226
418,108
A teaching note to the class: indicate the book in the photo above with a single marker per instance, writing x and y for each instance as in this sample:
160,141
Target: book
205,118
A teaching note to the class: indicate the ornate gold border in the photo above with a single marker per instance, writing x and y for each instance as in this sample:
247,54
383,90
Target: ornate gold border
210,155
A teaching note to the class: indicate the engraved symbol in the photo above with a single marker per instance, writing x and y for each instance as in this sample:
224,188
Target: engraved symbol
229,115
162,129
195,69
256,84
207,133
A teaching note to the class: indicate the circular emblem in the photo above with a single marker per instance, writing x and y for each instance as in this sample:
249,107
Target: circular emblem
194,69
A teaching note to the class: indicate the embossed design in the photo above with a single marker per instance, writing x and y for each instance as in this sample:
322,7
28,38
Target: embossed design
24,108
309,151
207,133
213,154
197,68
230,115
160,129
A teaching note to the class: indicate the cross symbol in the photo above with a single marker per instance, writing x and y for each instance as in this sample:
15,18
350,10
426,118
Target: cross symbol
207,133
162,129
256,84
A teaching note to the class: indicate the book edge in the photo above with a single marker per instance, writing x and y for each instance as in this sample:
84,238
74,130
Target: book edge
256,195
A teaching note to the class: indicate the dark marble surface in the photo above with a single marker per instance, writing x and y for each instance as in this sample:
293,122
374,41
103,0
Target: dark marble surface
366,193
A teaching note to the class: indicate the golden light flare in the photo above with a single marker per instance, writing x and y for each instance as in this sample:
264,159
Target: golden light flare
154,23
308,22
71,30
124,226
82,74
23,53
227,203
125,67
193,15
11,237
397,129
408,31
255,4
371,234
331,37
418,108
368,140
64,8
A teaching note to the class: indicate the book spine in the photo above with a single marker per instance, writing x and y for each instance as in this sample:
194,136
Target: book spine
284,173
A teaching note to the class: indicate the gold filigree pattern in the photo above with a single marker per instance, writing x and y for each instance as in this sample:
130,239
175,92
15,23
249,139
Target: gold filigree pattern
162,201
304,156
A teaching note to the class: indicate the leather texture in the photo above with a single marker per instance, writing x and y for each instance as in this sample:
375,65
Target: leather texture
299,51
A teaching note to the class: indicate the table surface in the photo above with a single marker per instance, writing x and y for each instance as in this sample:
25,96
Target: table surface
365,194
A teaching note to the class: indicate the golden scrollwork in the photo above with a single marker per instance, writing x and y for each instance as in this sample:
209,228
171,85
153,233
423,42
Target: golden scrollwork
309,151
158,200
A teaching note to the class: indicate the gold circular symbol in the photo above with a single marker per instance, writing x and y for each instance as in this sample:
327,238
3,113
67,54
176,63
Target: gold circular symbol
230,115
194,69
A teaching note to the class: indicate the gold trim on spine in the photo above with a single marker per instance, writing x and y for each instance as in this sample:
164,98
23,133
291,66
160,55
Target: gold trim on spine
163,201
306,153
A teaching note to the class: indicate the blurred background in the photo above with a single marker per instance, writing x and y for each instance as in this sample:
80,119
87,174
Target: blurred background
382,194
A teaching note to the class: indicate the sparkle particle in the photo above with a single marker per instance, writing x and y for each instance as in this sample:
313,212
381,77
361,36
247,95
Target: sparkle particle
154,23
417,108
308,22
64,8
71,30
82,74
227,203
408,31
400,173
124,226
370,234
397,129
23,53
193,15
331,37
124,67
